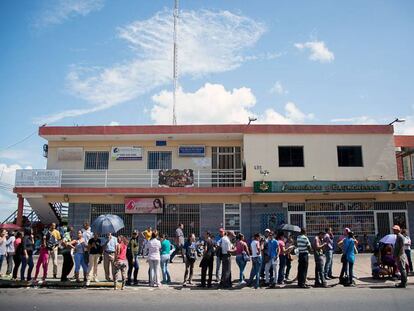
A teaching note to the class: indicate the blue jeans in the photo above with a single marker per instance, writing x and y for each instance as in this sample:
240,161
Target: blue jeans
1,260
242,265
133,265
255,272
327,271
165,259
27,262
282,266
80,261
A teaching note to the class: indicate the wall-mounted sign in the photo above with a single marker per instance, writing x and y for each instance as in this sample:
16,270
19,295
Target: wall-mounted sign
191,151
333,186
176,178
38,178
126,153
144,205
160,143
70,154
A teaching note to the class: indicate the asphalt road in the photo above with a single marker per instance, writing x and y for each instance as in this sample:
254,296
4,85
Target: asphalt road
147,299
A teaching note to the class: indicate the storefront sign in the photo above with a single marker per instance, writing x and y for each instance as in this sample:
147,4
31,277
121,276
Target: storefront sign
70,154
176,178
38,178
332,186
144,205
191,151
126,153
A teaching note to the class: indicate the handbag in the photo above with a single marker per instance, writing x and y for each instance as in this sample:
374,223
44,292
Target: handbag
246,257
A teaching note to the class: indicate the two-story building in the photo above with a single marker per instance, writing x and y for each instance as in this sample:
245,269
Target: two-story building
240,177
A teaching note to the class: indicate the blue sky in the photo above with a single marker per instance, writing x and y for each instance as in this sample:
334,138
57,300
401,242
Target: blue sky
109,62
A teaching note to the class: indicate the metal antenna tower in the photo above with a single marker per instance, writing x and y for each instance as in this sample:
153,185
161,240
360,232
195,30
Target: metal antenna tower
175,63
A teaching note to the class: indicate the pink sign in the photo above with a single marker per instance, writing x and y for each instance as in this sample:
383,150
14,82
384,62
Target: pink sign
144,205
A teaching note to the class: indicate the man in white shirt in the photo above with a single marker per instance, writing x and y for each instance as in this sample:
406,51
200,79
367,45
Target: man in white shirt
87,235
407,248
226,250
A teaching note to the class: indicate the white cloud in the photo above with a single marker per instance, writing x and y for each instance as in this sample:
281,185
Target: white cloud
209,42
318,51
14,154
363,120
114,123
213,104
278,88
60,11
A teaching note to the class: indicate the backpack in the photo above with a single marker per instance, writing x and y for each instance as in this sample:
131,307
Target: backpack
51,241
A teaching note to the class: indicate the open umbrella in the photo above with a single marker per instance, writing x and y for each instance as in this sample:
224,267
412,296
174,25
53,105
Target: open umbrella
10,227
107,224
389,239
289,228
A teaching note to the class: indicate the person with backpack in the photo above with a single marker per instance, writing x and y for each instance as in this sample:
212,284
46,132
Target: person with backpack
190,251
318,247
53,238
242,257
132,256
273,253
207,262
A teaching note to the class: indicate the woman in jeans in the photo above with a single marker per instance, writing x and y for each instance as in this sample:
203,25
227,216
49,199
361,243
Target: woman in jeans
190,251
242,250
349,257
256,247
27,255
165,259
17,258
153,247
80,247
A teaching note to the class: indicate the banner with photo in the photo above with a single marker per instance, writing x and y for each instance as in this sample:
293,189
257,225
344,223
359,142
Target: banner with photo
144,205
176,178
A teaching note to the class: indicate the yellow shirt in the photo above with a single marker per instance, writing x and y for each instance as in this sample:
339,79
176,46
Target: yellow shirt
56,234
147,234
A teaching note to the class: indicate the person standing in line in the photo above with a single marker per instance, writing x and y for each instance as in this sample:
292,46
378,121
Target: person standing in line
42,260
399,254
3,247
109,256
280,237
87,235
349,247
95,252
17,259
407,248
304,246
328,251
256,257
190,251
165,259
207,263
179,242
226,250
80,246
290,246
120,261
217,241
66,252
10,252
265,256
53,238
27,256
242,253
132,256
273,253
153,249
318,248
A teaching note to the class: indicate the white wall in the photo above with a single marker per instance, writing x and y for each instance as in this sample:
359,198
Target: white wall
320,157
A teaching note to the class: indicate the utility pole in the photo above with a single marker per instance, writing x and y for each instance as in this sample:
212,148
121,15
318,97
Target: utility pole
175,63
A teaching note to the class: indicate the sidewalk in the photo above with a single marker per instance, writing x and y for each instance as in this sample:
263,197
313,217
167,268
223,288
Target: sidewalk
362,271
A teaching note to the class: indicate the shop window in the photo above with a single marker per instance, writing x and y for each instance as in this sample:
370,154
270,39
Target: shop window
291,156
350,156
232,217
96,160
159,160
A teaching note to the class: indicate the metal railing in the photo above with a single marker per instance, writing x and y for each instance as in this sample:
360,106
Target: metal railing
145,178
27,212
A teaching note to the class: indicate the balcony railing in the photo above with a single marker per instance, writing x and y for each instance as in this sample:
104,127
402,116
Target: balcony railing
123,178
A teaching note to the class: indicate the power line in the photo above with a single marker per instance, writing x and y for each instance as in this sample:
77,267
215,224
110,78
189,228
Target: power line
19,142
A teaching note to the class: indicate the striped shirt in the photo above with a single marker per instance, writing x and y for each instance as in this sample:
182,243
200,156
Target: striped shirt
303,244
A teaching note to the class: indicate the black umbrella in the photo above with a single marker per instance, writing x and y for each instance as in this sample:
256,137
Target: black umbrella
289,228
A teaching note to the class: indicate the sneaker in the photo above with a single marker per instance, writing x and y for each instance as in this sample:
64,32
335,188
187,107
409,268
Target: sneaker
88,283
95,280
135,283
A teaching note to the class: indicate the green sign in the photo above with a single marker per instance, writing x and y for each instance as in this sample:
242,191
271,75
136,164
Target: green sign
333,186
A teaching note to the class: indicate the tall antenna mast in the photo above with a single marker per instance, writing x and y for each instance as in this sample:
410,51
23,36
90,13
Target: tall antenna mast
175,60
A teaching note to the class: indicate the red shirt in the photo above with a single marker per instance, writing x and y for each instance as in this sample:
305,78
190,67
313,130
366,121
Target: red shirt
281,246
122,251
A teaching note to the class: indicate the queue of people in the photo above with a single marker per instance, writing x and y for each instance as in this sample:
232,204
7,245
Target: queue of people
270,254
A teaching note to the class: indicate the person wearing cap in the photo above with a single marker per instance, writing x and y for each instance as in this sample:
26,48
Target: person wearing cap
348,260
95,252
226,250
132,257
400,256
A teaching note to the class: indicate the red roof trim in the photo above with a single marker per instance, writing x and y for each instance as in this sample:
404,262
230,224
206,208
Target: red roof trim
48,190
404,141
215,129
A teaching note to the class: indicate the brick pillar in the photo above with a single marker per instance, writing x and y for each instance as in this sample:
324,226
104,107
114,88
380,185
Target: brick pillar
20,205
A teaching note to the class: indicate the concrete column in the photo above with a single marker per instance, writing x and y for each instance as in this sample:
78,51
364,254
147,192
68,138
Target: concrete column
20,206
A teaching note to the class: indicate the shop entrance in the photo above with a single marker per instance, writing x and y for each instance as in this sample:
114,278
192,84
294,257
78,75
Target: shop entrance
386,219
188,214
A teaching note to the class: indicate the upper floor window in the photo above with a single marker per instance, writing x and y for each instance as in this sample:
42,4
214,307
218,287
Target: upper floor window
159,160
96,160
291,156
350,156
